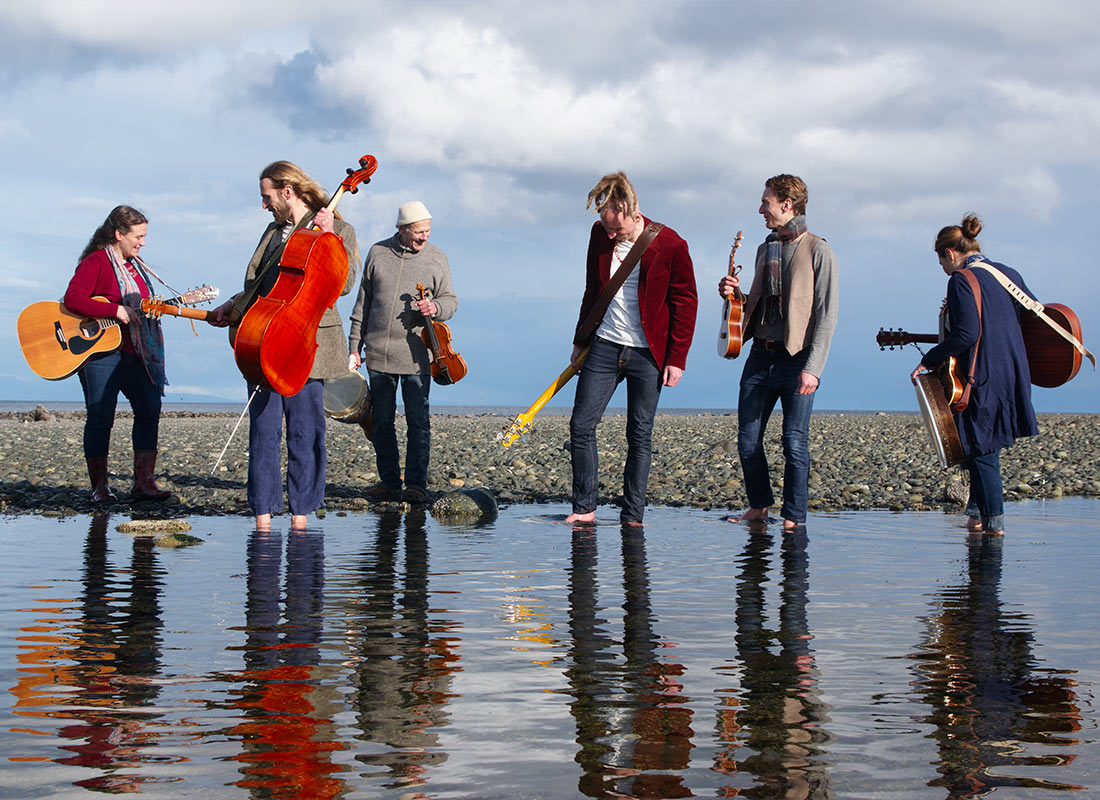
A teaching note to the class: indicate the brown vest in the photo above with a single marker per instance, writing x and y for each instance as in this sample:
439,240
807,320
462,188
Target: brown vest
798,293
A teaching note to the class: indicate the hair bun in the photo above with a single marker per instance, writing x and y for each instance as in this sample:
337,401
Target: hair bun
971,226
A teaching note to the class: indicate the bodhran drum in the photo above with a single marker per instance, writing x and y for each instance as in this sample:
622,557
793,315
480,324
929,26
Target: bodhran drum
347,398
938,420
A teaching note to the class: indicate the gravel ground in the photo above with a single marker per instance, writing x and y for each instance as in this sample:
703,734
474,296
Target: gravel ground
857,462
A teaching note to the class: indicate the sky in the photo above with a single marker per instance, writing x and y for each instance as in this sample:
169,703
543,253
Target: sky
500,116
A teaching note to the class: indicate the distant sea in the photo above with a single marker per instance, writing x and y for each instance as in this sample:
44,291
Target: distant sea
497,411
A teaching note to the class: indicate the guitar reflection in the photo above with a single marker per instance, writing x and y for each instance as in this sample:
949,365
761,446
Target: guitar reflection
992,708
96,671
288,732
633,720
771,725
406,660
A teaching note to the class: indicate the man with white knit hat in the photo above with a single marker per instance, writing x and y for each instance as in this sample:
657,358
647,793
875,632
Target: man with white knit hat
385,335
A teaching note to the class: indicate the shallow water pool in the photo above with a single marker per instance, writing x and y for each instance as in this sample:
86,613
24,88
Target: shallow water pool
387,655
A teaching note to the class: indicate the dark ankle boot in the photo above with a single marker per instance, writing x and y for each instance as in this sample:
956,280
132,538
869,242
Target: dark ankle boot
97,473
145,488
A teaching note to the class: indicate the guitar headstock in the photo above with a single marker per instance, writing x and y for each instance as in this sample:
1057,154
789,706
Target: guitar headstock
367,166
521,426
203,294
893,338
154,307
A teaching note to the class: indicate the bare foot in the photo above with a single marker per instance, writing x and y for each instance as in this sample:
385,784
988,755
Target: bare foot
752,515
263,522
632,523
297,522
974,525
583,519
790,525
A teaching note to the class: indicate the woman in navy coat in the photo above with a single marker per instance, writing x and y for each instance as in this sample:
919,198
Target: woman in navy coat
1000,409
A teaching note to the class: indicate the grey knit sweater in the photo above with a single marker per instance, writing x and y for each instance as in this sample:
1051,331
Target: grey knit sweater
385,326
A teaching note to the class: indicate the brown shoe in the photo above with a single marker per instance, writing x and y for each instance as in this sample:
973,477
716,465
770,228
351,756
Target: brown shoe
381,491
416,495
145,487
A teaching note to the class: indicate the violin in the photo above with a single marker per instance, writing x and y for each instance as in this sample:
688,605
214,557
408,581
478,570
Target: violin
447,366
729,332
276,341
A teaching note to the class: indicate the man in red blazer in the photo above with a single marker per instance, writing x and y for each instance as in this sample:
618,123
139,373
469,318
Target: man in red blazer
643,338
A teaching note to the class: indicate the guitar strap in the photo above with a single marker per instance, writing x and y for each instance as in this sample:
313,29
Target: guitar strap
1021,297
960,405
595,316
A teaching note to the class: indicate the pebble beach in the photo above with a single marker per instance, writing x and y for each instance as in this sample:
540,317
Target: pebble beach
858,461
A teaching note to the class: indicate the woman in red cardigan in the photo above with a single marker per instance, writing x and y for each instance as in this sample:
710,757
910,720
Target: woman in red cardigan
110,282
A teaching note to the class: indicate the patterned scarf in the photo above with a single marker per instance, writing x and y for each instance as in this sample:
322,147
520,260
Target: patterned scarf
145,333
773,266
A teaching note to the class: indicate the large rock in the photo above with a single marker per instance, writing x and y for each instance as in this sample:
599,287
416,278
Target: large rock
465,507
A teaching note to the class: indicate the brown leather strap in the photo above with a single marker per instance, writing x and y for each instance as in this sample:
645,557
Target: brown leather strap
595,316
971,279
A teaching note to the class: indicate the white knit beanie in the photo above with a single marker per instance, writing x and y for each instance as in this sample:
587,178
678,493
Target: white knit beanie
410,212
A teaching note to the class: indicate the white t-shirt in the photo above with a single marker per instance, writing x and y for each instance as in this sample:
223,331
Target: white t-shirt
622,323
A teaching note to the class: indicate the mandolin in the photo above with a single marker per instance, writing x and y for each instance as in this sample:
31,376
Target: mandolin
447,366
729,332
276,341
57,342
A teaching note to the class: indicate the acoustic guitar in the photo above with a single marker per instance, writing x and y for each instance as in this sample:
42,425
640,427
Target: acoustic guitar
447,366
729,331
1051,359
56,342
951,373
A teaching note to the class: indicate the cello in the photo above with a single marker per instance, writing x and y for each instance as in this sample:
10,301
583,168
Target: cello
447,366
276,340
729,331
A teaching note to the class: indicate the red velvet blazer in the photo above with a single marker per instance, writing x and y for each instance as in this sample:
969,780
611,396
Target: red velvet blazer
666,292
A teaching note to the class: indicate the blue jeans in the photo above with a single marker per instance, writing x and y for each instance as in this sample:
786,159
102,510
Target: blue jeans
102,378
769,376
987,500
306,456
605,366
383,399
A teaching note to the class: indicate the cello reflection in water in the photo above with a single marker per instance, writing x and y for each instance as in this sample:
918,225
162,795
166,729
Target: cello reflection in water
633,720
97,671
772,723
288,732
992,708
406,660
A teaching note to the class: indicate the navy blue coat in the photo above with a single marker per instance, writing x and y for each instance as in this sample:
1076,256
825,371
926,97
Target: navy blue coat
1000,409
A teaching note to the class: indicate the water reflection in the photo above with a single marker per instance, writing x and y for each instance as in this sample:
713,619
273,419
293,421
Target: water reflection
287,733
404,661
990,704
92,661
770,726
632,718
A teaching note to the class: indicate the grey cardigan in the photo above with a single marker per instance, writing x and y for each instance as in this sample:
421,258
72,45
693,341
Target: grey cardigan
331,360
385,326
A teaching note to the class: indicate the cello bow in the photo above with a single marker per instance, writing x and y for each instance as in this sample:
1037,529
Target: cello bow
729,331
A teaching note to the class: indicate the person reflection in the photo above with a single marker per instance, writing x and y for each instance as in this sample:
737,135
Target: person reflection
991,707
288,732
772,724
105,669
633,721
406,660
